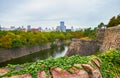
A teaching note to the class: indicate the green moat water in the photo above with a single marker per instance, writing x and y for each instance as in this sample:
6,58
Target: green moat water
41,55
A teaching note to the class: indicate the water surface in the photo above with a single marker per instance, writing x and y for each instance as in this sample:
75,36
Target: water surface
56,52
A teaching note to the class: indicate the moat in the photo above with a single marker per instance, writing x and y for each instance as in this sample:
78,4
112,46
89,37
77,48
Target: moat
41,55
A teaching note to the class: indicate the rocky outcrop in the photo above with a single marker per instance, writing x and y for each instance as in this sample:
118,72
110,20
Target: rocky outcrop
3,71
111,39
76,73
82,47
90,70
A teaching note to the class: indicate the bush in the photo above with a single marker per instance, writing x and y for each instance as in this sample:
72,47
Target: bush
17,43
110,66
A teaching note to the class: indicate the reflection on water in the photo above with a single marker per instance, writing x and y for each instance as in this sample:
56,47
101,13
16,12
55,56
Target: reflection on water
61,53
56,52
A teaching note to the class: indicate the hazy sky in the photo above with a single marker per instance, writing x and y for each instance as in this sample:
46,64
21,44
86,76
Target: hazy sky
48,13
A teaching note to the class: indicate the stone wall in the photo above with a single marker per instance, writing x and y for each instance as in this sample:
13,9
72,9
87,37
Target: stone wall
9,54
111,39
100,35
106,39
82,47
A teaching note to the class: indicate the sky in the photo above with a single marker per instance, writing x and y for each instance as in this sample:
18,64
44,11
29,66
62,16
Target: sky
49,13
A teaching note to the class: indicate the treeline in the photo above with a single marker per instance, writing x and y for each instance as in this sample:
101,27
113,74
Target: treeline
18,39
88,33
114,21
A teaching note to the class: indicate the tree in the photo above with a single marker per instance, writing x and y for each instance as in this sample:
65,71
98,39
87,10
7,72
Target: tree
17,43
112,22
101,25
118,19
5,42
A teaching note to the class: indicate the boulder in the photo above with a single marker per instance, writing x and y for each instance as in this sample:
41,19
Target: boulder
3,71
59,73
42,74
22,76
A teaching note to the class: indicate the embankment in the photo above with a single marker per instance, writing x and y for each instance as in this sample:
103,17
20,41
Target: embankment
8,54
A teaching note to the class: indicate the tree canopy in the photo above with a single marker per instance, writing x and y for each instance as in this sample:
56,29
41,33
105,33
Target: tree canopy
114,21
18,39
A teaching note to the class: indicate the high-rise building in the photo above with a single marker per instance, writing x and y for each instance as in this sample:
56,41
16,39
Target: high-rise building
40,28
62,27
72,29
28,27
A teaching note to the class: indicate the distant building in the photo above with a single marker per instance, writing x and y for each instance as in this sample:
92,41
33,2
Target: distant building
72,29
21,29
40,28
62,27
35,30
28,27
6,29
12,28
53,29
3,28
58,28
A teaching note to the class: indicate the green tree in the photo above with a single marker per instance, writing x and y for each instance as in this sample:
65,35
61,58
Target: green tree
101,25
112,22
5,42
118,19
17,43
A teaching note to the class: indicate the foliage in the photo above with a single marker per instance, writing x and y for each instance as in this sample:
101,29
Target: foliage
110,66
5,42
17,43
91,33
18,39
101,25
114,21
46,65
88,32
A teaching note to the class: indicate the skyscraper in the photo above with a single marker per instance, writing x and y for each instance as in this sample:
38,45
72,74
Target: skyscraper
28,27
62,26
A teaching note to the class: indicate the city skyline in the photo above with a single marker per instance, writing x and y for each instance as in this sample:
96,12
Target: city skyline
61,27
39,13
